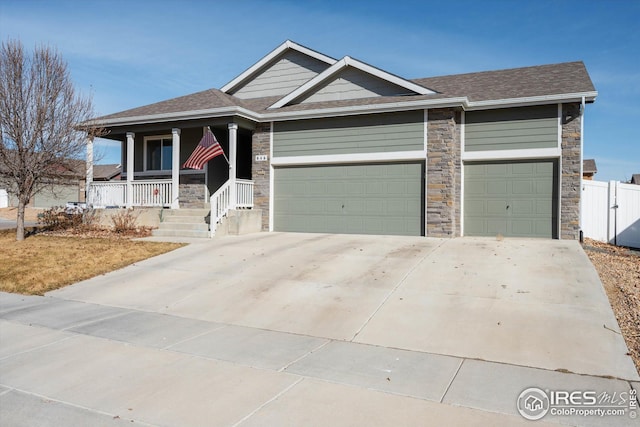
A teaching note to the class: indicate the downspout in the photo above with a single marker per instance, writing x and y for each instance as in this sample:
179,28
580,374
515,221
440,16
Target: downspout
581,166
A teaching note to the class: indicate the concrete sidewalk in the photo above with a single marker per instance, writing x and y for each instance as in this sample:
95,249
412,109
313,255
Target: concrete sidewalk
287,329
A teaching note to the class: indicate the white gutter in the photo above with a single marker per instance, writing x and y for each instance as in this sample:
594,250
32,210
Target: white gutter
363,109
180,115
532,100
462,102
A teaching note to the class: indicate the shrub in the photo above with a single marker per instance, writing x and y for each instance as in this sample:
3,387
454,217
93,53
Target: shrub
125,221
56,218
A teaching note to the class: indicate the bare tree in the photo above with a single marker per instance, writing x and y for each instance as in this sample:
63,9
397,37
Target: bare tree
44,121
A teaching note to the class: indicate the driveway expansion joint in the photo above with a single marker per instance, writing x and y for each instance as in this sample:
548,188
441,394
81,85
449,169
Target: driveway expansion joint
395,288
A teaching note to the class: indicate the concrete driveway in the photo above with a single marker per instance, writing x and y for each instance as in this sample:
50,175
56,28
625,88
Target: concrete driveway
8,224
311,329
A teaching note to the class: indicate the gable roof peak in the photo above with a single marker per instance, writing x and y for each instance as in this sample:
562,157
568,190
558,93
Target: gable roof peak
348,61
275,53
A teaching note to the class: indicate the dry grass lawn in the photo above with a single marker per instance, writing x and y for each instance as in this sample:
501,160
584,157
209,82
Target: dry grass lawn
43,263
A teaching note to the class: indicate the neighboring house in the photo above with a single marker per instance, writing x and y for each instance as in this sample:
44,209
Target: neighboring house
589,169
68,186
341,146
107,172
635,179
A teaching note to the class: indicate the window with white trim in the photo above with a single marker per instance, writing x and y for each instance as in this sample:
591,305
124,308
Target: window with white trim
158,153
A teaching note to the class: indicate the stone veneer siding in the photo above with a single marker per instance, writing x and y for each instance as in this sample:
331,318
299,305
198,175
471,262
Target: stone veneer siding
443,173
193,196
570,176
260,171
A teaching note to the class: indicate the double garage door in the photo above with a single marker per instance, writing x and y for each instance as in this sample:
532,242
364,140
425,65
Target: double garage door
511,198
516,198
358,198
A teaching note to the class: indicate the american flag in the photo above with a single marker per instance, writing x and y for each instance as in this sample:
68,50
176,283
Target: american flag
207,149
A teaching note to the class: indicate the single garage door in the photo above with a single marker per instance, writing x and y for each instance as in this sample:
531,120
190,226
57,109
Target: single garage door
359,199
516,198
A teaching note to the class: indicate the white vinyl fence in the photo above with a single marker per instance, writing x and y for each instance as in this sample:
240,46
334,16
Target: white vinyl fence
4,199
611,212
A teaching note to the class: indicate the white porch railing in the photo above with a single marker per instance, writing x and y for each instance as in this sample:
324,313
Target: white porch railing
103,194
155,192
221,200
244,193
158,193
220,204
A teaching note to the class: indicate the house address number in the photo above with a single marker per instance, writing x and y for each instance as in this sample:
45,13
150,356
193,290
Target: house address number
261,158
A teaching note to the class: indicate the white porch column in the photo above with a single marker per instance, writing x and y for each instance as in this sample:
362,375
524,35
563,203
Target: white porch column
130,141
233,145
89,172
175,169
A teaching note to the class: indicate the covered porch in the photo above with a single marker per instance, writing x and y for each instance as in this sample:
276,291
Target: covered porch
152,158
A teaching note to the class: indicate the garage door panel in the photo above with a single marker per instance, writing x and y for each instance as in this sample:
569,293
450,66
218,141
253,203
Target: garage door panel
523,187
368,198
527,169
496,187
543,227
375,188
398,208
355,188
521,227
542,188
528,188
398,188
475,208
523,207
495,207
494,169
496,226
543,207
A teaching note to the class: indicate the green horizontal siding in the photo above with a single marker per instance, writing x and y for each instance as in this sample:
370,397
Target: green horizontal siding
360,199
58,195
509,129
348,135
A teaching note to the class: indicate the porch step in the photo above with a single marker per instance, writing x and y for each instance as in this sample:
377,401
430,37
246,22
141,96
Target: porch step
184,223
181,233
167,213
185,219
184,226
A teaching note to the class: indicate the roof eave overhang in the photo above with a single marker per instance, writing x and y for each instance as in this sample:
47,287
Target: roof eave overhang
365,109
454,102
178,116
531,100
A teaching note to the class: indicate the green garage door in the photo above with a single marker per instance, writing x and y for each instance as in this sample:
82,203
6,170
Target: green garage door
516,198
359,199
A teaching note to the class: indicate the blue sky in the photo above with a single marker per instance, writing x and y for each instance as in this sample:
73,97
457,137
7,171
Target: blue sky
135,52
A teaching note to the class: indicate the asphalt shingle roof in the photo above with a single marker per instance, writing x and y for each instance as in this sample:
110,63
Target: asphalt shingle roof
567,77
563,78
589,166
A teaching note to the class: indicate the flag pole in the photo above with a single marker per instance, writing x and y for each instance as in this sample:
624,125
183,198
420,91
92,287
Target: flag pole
223,153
